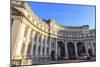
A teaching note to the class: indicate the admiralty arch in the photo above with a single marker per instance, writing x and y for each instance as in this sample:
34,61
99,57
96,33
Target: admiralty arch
33,38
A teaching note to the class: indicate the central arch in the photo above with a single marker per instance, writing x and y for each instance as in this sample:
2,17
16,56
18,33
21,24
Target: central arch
81,49
71,50
61,50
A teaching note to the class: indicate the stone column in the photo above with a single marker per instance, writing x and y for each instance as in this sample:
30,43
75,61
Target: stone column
25,60
66,50
27,42
92,47
37,44
45,53
50,46
32,45
19,42
86,47
56,44
76,51
41,46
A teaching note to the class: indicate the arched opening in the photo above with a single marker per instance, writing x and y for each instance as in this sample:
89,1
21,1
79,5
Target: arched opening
81,49
61,50
71,50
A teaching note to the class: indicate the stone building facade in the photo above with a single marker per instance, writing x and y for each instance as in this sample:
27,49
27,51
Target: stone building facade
33,39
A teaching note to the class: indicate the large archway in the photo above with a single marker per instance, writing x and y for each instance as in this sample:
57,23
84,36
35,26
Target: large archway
61,49
81,49
71,50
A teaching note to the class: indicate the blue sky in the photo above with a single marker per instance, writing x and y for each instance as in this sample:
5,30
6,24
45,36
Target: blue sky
65,14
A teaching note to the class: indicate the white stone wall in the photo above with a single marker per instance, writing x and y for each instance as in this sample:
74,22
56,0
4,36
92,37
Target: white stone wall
36,43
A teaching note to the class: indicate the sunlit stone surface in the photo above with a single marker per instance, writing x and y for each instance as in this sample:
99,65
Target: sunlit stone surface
33,39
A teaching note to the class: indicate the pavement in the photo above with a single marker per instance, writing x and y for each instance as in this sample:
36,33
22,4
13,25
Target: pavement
61,61
45,62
